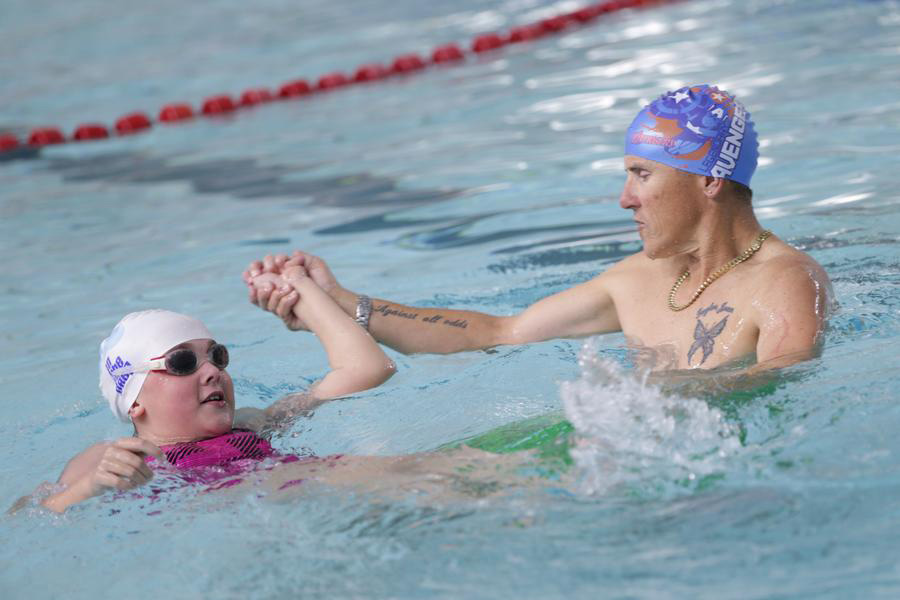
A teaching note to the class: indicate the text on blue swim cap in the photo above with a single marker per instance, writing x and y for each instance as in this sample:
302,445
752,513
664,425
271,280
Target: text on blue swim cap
698,129
731,148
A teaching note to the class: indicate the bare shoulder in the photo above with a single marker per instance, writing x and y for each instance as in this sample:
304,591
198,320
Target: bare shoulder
791,298
636,261
789,266
251,418
628,267
790,278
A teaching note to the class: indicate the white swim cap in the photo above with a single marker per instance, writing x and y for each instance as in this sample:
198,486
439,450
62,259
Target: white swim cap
139,337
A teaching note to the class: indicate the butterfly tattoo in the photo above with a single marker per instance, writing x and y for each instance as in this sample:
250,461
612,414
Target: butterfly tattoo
705,337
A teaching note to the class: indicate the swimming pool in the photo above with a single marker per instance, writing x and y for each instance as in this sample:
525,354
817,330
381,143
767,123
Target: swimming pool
484,186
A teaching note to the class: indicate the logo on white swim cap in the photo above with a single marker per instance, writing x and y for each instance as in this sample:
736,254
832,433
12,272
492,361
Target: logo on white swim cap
699,129
137,338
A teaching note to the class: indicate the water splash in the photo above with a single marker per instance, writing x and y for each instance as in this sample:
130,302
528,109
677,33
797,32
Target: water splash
628,432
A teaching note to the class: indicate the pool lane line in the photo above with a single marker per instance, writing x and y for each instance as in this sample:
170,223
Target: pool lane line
12,147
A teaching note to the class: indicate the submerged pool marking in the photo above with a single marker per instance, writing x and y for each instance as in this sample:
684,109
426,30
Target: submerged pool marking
405,64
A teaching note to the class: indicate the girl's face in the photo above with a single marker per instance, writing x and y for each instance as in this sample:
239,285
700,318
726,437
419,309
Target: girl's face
180,408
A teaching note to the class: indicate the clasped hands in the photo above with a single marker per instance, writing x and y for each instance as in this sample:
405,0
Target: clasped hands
272,283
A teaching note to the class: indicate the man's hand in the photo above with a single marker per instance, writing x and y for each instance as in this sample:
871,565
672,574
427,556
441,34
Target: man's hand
317,270
314,266
268,290
269,264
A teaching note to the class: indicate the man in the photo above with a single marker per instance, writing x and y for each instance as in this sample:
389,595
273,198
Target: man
710,286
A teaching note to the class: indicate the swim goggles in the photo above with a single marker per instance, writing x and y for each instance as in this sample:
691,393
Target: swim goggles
182,361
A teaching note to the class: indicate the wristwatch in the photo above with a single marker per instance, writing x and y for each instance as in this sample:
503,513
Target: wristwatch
363,310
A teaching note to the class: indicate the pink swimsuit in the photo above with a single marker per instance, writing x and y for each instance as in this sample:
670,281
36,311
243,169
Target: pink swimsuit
230,454
239,444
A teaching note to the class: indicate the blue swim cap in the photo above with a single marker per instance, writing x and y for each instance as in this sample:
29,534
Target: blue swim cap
698,129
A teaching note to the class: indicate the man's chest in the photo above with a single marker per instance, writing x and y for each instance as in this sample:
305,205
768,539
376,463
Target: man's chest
715,329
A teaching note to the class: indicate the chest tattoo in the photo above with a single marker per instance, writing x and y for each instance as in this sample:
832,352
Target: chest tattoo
709,326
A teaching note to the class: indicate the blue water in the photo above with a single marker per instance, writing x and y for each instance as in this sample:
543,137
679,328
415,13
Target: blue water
483,186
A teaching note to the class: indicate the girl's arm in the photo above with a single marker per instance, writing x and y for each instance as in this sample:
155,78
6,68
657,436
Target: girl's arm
357,361
116,465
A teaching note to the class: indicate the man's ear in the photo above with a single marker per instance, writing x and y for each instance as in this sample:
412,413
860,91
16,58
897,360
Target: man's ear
712,186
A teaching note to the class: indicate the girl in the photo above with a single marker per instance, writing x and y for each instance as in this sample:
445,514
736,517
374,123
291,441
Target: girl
165,373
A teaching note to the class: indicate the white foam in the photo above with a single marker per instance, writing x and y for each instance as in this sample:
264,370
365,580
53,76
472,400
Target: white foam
628,431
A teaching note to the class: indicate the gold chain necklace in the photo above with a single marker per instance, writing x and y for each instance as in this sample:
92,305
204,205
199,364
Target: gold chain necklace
754,247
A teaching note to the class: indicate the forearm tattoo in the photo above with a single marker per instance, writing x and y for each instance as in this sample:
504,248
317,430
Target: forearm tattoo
387,311
705,333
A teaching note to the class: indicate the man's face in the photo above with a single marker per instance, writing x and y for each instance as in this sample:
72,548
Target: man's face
665,204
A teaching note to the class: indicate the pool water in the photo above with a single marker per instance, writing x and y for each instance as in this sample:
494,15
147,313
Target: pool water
485,186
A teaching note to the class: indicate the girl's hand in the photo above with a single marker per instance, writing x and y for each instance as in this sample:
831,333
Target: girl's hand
122,466
274,294
316,269
119,465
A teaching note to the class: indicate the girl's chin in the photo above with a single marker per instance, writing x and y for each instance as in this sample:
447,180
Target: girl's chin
219,426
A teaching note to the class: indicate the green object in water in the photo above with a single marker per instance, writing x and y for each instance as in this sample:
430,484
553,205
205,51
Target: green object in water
548,435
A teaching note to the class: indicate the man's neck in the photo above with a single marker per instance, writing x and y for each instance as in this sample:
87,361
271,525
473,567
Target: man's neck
720,236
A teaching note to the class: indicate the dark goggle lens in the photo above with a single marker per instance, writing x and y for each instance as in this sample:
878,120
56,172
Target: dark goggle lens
184,362
181,362
218,355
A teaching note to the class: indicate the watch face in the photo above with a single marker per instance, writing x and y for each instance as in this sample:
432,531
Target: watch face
363,310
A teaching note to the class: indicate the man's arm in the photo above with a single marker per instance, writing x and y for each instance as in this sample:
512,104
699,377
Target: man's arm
791,310
579,311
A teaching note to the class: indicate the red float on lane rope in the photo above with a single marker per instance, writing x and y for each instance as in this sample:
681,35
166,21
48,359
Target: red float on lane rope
370,72
218,105
170,113
586,14
614,5
8,142
555,24
525,33
292,89
490,41
44,136
255,96
133,123
331,81
407,63
447,53
90,131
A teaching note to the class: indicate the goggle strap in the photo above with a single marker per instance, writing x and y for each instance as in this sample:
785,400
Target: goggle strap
151,365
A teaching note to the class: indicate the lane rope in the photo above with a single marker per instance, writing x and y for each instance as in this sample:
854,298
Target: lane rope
404,64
